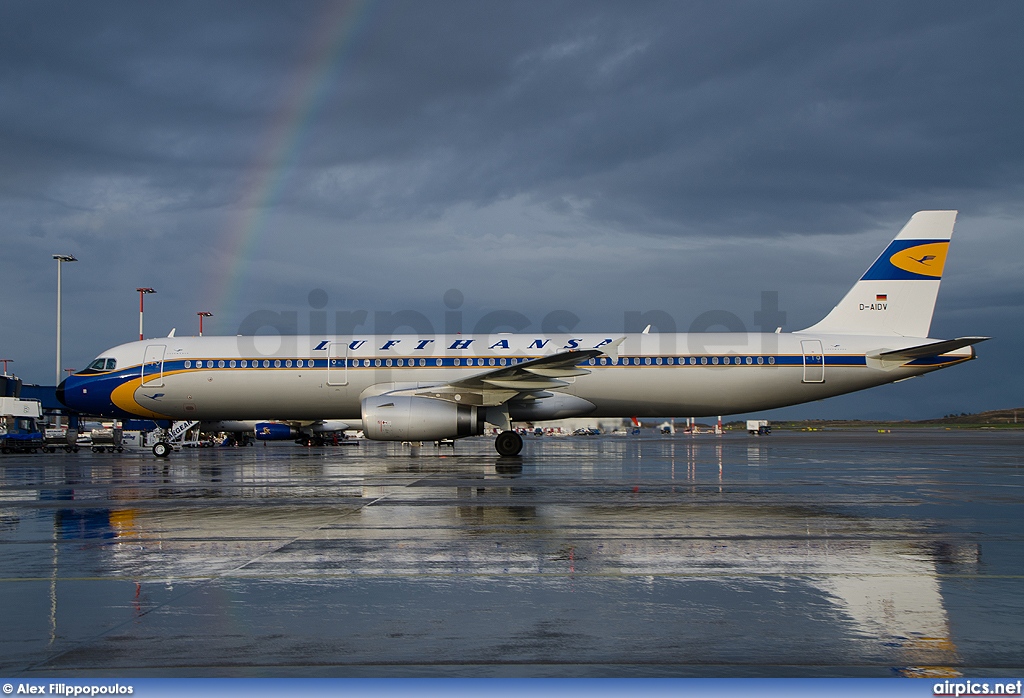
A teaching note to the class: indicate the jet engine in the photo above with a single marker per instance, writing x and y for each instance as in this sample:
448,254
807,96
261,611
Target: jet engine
272,431
410,418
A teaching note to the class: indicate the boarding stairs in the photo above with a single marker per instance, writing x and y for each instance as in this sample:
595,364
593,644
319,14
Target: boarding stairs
178,431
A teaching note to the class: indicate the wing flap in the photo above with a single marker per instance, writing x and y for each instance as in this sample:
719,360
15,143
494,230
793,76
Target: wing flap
557,372
535,383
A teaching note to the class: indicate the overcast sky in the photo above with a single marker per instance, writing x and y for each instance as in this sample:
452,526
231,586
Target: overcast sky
596,158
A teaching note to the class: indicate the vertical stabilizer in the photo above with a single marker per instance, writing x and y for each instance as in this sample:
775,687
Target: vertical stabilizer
896,295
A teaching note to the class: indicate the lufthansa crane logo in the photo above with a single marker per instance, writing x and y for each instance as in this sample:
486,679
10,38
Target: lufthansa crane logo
926,260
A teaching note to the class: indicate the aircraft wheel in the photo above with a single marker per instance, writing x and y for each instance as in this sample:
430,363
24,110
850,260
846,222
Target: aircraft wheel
97,449
508,443
161,449
69,449
5,450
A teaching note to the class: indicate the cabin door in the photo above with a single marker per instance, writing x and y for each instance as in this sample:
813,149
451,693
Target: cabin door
814,361
337,363
153,366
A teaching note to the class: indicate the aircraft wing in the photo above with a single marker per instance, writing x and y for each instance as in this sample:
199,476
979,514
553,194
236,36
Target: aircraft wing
924,350
535,374
499,385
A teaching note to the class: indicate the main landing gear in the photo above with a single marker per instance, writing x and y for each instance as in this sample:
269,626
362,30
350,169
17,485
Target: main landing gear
508,443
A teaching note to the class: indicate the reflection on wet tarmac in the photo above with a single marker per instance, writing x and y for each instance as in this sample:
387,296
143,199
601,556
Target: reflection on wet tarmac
795,554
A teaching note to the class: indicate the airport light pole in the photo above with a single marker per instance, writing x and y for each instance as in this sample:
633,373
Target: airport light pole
202,314
61,258
142,294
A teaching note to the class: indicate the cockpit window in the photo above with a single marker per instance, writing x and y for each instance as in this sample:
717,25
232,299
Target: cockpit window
111,364
103,365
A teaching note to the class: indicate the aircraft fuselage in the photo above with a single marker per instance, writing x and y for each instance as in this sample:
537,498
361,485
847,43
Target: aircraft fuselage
316,378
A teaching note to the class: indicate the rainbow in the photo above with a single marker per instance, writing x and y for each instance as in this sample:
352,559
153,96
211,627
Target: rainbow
334,40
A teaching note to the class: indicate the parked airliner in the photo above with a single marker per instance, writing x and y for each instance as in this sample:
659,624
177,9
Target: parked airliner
417,388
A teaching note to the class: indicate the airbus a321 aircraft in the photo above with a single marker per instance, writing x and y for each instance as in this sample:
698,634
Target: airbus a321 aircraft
413,388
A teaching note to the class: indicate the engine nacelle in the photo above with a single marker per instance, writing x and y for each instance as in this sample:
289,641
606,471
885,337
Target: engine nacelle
409,418
271,431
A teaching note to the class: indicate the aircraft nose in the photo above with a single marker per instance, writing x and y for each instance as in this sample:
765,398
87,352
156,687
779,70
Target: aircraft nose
60,393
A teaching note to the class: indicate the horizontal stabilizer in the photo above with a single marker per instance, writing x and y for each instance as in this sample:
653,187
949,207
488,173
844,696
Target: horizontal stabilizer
924,350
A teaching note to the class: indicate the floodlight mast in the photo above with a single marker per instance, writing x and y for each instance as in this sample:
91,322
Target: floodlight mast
142,294
61,258
202,314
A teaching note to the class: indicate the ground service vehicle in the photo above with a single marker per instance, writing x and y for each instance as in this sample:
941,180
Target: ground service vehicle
19,425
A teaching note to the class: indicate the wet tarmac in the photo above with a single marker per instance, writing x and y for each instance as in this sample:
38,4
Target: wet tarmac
796,554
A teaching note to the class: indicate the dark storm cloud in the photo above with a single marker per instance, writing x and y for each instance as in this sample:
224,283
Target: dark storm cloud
669,112
602,157
657,110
